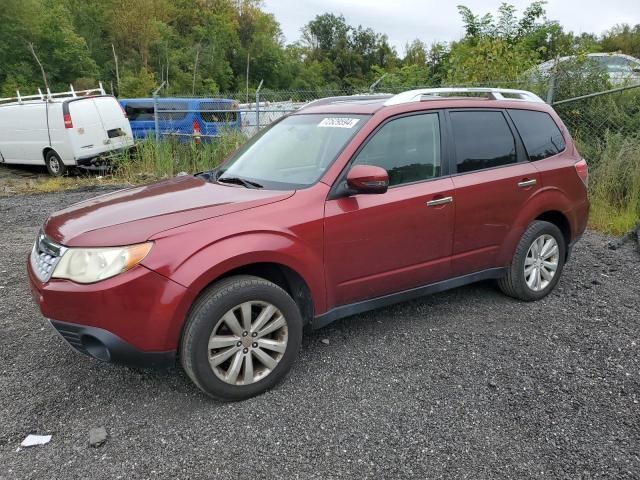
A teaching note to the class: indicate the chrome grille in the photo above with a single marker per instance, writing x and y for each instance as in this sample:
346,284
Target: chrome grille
45,256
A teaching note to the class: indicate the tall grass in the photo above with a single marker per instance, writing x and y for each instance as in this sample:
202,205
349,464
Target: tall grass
614,183
167,158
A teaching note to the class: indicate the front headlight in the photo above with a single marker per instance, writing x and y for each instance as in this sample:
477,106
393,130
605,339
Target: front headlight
89,265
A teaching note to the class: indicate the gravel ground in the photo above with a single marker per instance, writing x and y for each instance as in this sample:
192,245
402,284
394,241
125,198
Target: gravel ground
463,384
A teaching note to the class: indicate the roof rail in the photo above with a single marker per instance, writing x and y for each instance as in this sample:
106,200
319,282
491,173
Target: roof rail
490,93
49,96
347,98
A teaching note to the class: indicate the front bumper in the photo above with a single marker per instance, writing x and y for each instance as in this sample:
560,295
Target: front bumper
133,318
107,347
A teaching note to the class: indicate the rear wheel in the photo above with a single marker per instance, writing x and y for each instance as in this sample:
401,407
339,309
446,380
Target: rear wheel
537,263
54,164
241,338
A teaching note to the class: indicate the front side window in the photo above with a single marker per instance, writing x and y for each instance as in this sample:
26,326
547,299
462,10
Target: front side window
294,152
540,134
408,148
482,139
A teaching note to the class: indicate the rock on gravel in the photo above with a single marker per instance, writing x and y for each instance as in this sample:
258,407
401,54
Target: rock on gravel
97,437
462,384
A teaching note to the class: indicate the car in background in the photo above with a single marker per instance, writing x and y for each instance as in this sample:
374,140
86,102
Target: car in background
621,68
265,114
182,118
60,130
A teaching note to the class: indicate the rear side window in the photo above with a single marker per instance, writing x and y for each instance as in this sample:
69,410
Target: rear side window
482,139
540,134
218,112
408,148
139,111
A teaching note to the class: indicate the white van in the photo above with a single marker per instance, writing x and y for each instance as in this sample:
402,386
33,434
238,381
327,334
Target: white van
65,129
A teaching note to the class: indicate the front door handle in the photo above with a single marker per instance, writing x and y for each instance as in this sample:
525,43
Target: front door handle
439,201
527,183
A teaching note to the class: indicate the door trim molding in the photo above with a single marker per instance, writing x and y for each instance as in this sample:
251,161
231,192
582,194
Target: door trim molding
342,311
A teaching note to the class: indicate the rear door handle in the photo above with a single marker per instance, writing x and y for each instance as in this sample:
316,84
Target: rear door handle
439,201
527,183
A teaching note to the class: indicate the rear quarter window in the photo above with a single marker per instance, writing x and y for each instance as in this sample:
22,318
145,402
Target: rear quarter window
218,112
482,139
540,134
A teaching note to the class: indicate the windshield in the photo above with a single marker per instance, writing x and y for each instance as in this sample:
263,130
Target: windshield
293,153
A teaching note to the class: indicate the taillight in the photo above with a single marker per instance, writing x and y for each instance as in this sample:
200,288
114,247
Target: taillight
583,171
67,120
196,127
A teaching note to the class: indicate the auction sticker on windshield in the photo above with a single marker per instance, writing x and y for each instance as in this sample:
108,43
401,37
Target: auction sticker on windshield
338,122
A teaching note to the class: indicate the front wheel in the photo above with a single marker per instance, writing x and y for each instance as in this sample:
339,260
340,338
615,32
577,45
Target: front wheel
241,338
537,263
54,164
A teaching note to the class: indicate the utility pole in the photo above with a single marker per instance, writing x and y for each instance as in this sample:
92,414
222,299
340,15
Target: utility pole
195,69
115,58
44,75
247,86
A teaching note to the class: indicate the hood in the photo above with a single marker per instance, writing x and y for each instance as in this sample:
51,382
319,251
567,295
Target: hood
133,215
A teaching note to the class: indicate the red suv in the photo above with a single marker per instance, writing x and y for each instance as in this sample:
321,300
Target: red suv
350,204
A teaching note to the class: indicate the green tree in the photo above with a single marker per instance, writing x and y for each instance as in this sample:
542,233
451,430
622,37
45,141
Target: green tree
488,61
138,84
45,24
622,38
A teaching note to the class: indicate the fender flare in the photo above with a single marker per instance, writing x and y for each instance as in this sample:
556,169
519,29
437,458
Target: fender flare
230,253
546,199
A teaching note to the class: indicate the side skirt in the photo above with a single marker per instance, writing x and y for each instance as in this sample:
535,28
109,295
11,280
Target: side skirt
406,295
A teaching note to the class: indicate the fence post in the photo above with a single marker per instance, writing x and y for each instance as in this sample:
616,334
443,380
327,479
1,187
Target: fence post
551,91
155,112
373,86
258,106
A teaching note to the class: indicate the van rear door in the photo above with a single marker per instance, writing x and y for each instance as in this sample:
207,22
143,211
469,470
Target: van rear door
98,125
114,122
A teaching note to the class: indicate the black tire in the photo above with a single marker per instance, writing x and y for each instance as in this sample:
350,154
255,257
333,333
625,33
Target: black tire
514,283
205,314
55,166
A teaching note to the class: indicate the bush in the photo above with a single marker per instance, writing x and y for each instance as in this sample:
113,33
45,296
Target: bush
615,183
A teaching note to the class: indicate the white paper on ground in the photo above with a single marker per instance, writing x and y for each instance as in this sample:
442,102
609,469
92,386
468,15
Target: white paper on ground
33,440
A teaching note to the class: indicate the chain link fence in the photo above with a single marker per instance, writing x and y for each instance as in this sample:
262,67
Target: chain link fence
589,104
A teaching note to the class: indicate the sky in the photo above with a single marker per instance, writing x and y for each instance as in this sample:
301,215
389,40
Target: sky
433,20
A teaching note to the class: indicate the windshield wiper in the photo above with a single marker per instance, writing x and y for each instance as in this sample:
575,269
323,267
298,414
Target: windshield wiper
239,181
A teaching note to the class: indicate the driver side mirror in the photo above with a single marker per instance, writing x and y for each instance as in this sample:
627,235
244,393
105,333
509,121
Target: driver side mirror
368,179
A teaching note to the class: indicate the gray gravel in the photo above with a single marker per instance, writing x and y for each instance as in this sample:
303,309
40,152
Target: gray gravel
463,384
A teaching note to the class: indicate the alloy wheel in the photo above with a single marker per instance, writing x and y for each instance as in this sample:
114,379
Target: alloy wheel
247,343
541,262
